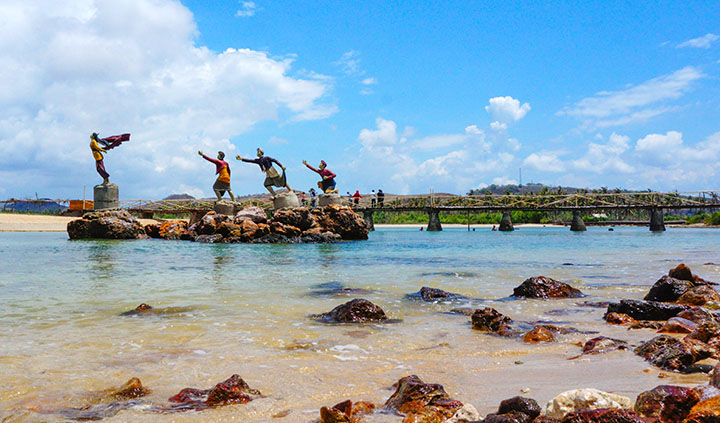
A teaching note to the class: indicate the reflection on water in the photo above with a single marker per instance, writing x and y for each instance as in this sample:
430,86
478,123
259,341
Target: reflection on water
244,309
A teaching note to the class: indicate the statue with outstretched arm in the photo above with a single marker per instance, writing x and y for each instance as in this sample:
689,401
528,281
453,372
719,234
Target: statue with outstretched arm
222,170
102,145
327,185
273,178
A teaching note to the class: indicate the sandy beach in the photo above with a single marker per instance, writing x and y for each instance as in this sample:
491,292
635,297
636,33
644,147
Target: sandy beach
19,222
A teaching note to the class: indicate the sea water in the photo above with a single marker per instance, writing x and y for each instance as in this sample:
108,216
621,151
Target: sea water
245,309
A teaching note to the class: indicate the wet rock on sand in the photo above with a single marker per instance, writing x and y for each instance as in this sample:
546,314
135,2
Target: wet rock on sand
420,401
666,403
544,287
678,325
434,295
539,334
619,319
646,310
584,399
234,390
490,320
346,411
356,311
673,354
515,410
603,344
668,289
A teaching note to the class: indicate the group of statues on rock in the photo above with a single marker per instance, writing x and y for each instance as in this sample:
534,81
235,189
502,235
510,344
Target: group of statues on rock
273,178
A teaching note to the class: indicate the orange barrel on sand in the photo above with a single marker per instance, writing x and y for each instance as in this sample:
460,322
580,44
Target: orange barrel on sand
78,205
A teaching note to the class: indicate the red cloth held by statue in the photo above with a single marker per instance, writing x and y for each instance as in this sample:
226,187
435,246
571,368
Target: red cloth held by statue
111,142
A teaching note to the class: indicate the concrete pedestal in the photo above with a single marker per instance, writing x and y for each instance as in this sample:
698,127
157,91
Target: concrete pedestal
577,224
434,221
328,199
224,207
369,221
106,196
657,221
286,200
506,224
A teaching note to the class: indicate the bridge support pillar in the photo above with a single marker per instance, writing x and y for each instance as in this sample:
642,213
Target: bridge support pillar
657,222
577,224
434,221
506,224
369,222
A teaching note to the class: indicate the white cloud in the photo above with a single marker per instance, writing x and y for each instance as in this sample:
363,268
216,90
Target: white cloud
498,126
545,161
514,144
473,130
369,81
637,103
701,42
506,109
601,158
385,135
503,180
277,140
247,9
349,62
131,66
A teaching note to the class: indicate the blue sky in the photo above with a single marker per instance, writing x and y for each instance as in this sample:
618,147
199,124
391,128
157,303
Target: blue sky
404,96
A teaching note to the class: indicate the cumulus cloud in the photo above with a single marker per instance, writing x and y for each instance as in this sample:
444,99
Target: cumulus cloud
131,66
498,126
601,158
700,42
506,109
545,161
637,103
247,9
384,135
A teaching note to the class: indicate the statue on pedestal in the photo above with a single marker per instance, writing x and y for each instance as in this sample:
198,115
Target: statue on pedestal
327,185
222,170
102,145
272,176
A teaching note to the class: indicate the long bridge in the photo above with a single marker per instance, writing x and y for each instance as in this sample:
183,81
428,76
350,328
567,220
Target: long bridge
578,203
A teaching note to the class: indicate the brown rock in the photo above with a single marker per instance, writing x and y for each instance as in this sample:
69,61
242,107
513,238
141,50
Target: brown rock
356,311
619,319
520,404
682,272
489,319
646,324
707,411
234,390
700,295
715,376
434,295
227,228
603,344
509,417
706,331
288,231
108,224
698,315
668,404
132,389
172,229
668,289
544,287
539,334
300,217
604,415
342,221
253,213
678,325
346,411
413,396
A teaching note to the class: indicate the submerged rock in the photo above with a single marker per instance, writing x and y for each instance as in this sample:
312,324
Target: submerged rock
646,310
584,399
356,311
603,344
336,289
234,390
668,289
490,320
539,334
106,224
148,310
544,287
619,319
434,295
346,411
666,403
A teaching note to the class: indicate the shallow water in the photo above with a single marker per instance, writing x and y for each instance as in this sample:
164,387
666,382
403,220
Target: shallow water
244,309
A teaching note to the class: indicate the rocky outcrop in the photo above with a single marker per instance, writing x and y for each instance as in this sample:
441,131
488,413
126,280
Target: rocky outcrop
668,289
433,295
420,401
355,311
544,287
291,226
666,403
673,354
646,310
234,390
584,399
106,224
172,229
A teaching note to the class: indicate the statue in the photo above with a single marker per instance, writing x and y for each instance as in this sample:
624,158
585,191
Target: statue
107,144
222,170
272,176
327,185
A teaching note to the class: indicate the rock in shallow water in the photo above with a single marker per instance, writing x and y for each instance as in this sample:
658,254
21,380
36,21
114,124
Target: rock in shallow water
646,310
668,289
490,320
603,344
429,400
544,287
434,295
234,390
110,224
584,399
356,311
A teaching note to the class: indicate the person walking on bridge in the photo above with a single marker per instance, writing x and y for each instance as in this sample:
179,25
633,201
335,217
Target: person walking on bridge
222,170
